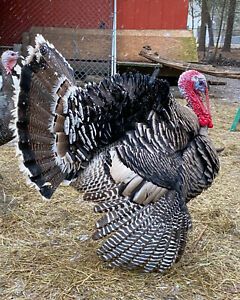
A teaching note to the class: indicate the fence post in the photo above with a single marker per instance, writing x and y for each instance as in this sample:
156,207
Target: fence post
114,40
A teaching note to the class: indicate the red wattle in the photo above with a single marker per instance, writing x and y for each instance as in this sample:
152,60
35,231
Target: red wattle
186,85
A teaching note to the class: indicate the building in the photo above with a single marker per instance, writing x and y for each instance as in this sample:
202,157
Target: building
82,29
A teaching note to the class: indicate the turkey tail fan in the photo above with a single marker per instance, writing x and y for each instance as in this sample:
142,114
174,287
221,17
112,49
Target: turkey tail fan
60,126
152,237
41,87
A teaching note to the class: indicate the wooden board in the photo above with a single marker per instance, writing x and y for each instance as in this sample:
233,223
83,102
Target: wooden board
153,56
173,44
86,44
96,43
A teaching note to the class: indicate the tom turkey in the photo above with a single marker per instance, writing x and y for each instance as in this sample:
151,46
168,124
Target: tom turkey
10,78
125,143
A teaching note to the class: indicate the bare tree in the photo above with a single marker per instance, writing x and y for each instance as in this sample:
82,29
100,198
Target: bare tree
210,29
229,29
220,29
191,11
202,35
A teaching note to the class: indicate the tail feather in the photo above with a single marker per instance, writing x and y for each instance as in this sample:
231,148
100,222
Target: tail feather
41,77
38,155
74,124
39,110
152,236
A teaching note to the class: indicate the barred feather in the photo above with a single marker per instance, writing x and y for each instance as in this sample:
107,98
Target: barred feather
147,236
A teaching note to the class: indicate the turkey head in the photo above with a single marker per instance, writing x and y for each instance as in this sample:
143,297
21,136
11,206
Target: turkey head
193,86
9,59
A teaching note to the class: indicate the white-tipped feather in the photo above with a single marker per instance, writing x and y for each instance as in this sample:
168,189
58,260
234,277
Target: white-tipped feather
57,85
39,40
31,53
14,120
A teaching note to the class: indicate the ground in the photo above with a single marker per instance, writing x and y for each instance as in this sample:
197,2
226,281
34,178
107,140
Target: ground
231,91
47,251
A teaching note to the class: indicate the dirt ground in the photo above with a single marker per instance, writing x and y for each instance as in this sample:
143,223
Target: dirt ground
46,251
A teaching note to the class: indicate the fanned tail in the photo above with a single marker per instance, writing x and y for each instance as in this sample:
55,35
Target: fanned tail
45,80
152,237
61,127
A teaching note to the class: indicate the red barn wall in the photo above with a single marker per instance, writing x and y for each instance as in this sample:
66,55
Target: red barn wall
152,14
18,16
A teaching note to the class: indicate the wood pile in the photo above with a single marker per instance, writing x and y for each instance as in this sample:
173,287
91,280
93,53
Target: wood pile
225,72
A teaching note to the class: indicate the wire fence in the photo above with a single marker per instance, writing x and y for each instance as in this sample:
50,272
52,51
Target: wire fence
80,29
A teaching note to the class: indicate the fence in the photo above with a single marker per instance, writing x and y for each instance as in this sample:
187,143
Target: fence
80,29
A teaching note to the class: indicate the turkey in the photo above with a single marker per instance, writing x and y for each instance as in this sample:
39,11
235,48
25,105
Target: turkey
10,78
126,144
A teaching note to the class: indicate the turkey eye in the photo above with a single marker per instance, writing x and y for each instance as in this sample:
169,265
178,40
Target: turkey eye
43,49
12,54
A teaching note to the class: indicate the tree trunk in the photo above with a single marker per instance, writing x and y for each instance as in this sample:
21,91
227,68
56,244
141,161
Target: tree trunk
229,29
210,30
220,29
192,12
202,35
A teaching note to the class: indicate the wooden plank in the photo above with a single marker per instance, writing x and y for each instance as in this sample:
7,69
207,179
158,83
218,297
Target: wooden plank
86,44
172,44
212,82
180,65
96,43
138,64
